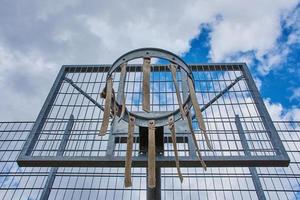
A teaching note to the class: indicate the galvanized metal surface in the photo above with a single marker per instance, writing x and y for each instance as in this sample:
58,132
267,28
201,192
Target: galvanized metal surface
224,90
143,117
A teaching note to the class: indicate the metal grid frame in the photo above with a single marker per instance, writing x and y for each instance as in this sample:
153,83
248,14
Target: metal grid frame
278,183
264,149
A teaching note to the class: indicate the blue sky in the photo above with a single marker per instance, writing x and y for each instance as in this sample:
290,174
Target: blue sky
37,37
280,84
285,77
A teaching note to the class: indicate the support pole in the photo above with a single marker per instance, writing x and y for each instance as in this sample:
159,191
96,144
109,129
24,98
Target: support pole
51,176
155,193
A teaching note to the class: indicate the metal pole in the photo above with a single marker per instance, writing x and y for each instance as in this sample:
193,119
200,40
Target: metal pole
155,193
51,176
255,178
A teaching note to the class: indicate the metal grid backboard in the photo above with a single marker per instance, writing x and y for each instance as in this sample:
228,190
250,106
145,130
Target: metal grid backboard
238,124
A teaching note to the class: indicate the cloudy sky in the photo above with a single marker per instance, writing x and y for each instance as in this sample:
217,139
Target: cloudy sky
37,37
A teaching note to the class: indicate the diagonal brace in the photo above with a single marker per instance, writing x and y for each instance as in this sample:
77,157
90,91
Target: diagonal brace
85,94
221,93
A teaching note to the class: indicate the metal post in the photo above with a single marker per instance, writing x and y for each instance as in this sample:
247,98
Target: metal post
51,176
155,193
184,80
115,122
257,184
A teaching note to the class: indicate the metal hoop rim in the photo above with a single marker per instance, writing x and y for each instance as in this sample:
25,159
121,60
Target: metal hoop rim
150,52
161,120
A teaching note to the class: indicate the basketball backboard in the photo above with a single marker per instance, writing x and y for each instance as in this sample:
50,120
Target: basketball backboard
238,124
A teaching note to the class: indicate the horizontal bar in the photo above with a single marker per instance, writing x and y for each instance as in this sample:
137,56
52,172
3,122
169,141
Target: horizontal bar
161,161
122,139
155,67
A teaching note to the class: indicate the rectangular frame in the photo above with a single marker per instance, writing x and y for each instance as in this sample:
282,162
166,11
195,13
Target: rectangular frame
27,159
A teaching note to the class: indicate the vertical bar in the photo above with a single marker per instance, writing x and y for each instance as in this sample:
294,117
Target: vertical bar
155,193
51,176
192,149
184,84
121,85
267,121
257,184
146,84
49,183
111,141
66,136
120,93
151,154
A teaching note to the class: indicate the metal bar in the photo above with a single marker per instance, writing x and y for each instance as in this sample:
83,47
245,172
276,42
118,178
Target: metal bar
242,135
111,137
111,142
155,193
84,93
191,145
272,133
66,136
156,67
184,84
220,94
121,86
49,183
257,184
141,161
51,176
253,171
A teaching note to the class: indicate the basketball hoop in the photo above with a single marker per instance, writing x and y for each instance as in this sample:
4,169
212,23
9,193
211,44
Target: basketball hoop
148,118
148,53
65,131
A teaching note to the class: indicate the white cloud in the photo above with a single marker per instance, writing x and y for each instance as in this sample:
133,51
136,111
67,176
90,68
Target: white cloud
37,34
293,114
40,34
292,21
25,79
272,59
296,94
275,110
278,112
253,26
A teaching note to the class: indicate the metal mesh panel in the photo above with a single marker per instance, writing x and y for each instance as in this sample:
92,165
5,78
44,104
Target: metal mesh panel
225,93
16,182
107,183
